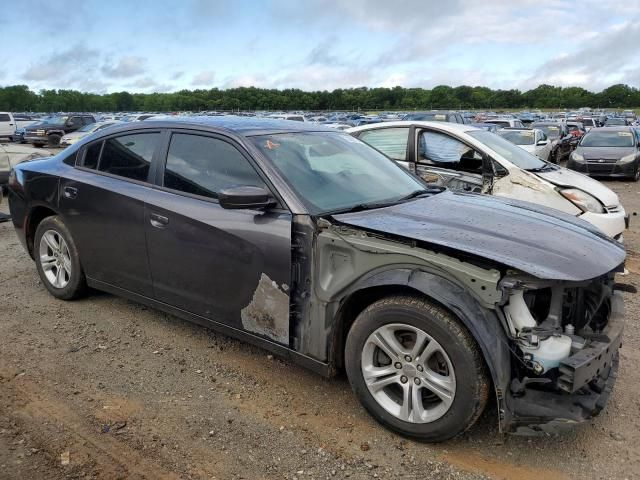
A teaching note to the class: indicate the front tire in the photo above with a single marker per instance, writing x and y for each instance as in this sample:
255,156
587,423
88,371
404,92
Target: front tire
54,140
57,260
416,369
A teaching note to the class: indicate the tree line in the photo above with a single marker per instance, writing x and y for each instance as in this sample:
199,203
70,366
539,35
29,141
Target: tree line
19,98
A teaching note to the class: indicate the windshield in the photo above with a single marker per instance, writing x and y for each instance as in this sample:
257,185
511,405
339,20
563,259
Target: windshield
602,138
333,172
518,137
57,120
508,150
88,128
551,131
615,121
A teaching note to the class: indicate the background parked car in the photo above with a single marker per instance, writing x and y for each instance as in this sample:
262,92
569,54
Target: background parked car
435,116
533,141
7,125
505,122
11,155
73,137
608,152
464,158
561,140
51,130
616,122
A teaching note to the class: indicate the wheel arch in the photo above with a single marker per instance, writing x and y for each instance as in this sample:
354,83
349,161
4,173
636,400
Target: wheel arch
481,323
36,215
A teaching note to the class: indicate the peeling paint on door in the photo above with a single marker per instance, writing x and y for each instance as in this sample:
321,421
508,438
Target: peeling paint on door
268,312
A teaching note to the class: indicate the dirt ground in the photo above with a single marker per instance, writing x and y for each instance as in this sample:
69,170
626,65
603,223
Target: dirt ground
105,388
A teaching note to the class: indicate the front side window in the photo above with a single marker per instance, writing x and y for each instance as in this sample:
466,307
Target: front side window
75,122
205,165
334,172
444,151
512,153
129,156
4,117
390,141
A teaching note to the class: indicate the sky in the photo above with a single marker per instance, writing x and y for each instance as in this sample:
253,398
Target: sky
168,45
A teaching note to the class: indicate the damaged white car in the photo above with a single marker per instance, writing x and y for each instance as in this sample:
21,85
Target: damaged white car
470,159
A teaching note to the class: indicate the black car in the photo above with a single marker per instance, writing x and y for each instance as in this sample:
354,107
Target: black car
50,130
562,141
608,152
310,243
435,116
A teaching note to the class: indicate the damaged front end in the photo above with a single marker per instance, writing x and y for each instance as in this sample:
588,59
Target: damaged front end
564,338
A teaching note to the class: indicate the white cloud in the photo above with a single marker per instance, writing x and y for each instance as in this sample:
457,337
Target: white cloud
129,66
205,78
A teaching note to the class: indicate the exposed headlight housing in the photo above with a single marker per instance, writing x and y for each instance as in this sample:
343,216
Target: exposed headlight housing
577,157
582,200
627,158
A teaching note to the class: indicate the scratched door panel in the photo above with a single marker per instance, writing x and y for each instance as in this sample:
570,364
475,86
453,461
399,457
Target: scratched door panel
230,266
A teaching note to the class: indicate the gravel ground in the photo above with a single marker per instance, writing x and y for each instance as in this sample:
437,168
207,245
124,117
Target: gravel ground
105,388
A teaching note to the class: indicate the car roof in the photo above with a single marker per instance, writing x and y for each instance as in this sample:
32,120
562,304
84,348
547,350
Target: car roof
447,126
245,126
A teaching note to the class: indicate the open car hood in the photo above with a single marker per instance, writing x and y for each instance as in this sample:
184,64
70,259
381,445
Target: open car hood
540,241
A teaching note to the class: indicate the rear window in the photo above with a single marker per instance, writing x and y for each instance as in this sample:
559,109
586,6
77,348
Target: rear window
4,117
92,155
129,156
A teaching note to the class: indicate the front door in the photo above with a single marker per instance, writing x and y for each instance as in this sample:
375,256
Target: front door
446,161
102,202
229,266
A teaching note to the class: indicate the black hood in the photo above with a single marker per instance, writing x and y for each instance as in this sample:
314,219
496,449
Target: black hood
540,241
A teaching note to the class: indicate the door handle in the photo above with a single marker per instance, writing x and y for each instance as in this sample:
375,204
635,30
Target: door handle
70,192
158,221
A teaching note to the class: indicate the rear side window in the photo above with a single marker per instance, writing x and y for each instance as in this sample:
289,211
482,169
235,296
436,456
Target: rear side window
205,165
4,117
390,141
129,156
92,155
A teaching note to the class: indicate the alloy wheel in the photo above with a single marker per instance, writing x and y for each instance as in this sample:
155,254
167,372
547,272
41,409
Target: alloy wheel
408,373
55,259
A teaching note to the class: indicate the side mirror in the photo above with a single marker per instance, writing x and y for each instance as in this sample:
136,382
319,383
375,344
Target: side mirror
245,196
542,142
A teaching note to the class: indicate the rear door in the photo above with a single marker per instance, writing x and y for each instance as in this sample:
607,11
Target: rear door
229,266
102,202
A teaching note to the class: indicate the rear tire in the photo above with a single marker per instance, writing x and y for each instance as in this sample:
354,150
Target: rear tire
425,375
57,260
